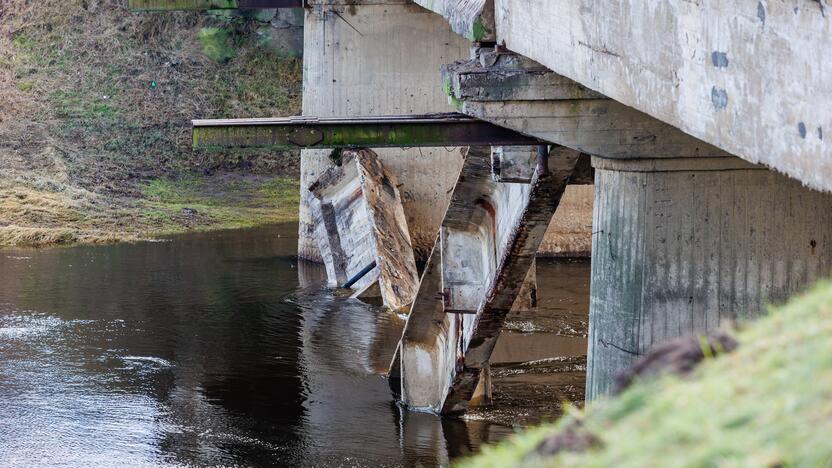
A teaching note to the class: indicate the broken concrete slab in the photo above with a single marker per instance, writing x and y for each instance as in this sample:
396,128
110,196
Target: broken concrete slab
362,230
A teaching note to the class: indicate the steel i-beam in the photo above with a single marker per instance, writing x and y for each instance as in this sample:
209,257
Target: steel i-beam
361,132
170,5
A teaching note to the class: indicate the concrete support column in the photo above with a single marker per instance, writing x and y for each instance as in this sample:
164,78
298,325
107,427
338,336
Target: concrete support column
686,245
373,59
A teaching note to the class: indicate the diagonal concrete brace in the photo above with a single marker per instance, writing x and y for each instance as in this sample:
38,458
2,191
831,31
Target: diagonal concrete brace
429,353
547,189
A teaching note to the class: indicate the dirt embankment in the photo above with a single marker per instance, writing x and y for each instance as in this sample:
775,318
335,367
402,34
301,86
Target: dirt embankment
95,110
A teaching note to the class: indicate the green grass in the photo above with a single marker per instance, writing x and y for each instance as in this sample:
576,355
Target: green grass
767,404
219,202
217,44
77,105
98,102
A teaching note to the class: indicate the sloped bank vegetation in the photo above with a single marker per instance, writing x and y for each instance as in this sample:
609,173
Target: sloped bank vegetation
768,403
95,110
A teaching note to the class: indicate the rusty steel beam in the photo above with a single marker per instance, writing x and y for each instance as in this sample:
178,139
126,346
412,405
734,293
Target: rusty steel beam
169,5
362,132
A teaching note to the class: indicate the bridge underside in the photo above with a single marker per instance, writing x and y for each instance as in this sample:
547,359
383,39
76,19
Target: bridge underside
678,103
688,233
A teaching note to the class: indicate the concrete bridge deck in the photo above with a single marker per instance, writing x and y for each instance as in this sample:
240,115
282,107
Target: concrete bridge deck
750,78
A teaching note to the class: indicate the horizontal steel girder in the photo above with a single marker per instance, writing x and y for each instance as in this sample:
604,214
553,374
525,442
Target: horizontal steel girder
361,132
167,5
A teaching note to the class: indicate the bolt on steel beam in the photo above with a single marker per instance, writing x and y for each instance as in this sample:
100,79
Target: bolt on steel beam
401,131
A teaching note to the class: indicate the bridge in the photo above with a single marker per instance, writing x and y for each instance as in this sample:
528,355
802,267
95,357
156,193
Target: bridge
705,125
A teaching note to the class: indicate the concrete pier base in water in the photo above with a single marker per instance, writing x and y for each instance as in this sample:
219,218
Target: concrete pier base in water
686,245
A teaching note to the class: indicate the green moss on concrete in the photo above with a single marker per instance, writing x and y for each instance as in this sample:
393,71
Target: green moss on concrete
767,404
217,44
447,88
478,30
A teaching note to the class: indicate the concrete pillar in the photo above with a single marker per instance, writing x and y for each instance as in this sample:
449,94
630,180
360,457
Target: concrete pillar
686,245
382,59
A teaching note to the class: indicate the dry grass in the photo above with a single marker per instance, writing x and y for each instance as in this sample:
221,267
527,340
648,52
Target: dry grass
95,101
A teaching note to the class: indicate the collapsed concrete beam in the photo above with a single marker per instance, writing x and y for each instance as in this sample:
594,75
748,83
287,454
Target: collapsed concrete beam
362,231
489,239
472,19
542,104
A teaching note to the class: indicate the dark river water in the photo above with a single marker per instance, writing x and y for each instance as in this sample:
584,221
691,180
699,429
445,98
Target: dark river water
223,349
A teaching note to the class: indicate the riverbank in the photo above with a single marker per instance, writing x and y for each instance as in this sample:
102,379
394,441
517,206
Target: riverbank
95,110
765,404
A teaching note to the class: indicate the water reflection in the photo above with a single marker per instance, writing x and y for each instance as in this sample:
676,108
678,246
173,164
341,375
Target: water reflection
220,349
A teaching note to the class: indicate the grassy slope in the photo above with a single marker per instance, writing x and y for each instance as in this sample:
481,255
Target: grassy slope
95,109
767,404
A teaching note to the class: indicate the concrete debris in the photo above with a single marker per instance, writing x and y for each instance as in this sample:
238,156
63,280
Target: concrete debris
362,230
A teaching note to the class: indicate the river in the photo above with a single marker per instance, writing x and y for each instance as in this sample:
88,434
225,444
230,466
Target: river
222,349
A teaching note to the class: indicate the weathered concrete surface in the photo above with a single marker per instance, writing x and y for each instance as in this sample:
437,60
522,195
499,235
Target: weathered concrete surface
360,224
752,78
473,19
682,246
363,60
489,240
566,114
570,233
